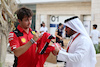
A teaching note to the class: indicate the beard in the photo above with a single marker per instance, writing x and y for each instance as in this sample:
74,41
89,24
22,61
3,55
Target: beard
28,26
69,34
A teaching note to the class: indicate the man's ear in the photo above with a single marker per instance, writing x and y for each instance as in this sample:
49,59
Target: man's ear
19,20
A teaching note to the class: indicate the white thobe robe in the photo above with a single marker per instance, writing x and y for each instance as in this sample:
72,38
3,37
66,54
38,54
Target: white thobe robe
81,53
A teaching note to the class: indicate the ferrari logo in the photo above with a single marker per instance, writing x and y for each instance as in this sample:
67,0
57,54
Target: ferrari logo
23,40
33,32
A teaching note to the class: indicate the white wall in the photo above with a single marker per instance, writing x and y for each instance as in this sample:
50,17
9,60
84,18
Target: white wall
47,1
55,20
87,23
45,11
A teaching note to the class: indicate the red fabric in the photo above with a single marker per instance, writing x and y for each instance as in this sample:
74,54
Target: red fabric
13,40
43,41
41,58
26,59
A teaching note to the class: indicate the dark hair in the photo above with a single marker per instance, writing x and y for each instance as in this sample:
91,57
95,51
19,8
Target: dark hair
24,12
95,26
43,22
60,24
41,25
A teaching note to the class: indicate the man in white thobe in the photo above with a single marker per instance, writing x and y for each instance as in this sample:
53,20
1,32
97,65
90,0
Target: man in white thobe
80,50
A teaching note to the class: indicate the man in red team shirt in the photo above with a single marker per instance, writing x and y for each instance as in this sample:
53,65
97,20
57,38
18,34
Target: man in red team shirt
21,40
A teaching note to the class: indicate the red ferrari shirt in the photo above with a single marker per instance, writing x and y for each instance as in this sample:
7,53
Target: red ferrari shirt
19,38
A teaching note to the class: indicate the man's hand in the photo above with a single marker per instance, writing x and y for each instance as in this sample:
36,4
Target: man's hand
36,36
57,49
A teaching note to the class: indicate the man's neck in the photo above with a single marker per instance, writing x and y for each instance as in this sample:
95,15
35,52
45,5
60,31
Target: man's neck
73,33
26,30
94,29
43,26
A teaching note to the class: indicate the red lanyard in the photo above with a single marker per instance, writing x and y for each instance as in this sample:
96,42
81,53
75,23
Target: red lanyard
72,41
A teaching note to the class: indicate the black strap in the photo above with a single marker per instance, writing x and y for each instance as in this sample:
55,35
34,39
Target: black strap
15,61
18,34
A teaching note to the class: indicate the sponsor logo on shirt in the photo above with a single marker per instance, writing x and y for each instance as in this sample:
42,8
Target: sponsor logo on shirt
33,32
23,40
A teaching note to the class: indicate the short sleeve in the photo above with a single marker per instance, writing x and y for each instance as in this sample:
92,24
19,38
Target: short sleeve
13,40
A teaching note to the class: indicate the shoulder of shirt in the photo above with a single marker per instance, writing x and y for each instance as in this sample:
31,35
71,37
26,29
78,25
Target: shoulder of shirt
95,31
41,28
33,32
81,37
11,33
82,40
17,32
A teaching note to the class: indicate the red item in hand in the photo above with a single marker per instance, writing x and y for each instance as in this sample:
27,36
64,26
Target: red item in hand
43,49
44,42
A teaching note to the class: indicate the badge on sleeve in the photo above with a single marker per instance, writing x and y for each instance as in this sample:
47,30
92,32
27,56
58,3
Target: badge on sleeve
33,32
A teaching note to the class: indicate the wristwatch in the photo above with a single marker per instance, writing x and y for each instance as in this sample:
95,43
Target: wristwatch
32,41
